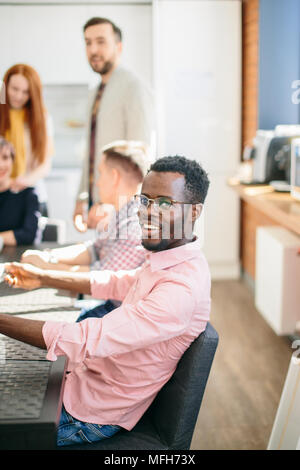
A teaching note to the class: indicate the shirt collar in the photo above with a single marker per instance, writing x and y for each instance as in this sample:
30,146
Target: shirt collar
167,258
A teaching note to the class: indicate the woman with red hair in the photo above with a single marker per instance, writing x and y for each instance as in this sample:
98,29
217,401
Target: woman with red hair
24,122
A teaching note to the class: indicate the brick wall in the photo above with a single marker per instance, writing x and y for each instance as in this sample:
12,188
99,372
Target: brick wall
249,216
250,14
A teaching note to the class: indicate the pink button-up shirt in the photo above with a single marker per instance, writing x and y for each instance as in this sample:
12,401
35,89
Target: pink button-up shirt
121,361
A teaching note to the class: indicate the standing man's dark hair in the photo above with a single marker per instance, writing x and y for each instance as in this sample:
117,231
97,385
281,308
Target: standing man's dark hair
97,20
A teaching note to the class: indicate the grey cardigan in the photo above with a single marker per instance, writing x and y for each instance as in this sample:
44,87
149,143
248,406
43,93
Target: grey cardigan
126,112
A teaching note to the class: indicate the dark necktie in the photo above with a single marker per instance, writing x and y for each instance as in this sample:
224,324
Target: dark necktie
93,140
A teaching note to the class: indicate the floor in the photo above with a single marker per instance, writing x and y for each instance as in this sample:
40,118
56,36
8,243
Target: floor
247,376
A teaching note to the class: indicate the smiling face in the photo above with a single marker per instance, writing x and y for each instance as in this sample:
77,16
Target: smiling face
102,47
165,229
18,91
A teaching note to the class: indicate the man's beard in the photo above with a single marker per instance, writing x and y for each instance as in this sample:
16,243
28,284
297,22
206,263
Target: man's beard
160,246
105,68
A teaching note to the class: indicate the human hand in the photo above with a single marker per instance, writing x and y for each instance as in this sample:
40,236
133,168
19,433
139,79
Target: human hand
23,276
18,184
37,258
98,216
80,216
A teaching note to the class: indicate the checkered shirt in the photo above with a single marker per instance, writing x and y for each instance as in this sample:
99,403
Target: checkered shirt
120,247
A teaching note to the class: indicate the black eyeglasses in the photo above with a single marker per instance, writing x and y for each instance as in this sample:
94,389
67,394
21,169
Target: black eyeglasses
161,203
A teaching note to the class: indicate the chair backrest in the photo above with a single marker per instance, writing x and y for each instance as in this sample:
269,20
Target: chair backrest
175,410
51,230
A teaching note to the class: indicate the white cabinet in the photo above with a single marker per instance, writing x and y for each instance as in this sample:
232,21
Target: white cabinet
50,38
6,38
277,274
198,85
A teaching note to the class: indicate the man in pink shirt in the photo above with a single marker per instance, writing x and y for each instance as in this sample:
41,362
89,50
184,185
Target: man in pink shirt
119,363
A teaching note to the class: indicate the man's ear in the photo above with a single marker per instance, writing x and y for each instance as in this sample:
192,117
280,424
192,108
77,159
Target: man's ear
120,47
115,177
196,211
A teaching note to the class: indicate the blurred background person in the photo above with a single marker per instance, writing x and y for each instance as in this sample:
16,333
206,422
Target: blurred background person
25,123
19,212
118,245
121,108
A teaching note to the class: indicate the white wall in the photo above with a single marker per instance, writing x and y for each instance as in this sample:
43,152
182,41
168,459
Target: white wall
50,38
198,81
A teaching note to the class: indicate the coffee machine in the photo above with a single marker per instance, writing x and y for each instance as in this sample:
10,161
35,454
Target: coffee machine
271,154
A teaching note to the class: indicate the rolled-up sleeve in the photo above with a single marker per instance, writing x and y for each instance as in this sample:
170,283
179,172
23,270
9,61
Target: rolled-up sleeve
74,340
112,284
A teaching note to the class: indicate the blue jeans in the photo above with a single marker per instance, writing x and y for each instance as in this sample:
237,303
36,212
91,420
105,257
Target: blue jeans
97,312
72,431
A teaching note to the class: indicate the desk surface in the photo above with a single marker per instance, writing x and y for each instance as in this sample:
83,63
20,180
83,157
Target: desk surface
281,207
31,387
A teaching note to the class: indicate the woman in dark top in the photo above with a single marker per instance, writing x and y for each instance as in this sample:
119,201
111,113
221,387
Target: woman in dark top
18,211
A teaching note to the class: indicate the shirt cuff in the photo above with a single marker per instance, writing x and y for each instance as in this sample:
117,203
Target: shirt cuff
100,284
51,332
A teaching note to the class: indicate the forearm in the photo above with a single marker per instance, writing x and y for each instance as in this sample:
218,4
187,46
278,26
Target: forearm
75,282
8,238
67,267
22,329
72,255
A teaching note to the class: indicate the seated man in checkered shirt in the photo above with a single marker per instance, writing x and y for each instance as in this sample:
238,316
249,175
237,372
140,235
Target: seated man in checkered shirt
118,244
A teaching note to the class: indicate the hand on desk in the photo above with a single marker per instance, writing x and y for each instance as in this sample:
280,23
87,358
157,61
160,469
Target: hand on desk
22,276
37,258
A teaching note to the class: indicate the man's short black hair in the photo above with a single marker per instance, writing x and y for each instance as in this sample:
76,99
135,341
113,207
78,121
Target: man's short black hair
196,179
97,20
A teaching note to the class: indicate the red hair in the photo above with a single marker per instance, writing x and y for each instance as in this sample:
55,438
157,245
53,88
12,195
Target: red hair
35,110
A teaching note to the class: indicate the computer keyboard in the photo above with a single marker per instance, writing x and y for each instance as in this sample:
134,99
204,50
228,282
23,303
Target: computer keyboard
24,372
23,379
13,350
22,388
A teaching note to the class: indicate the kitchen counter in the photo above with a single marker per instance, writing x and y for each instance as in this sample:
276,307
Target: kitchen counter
281,207
262,205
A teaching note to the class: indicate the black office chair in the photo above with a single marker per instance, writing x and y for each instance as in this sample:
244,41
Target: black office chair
169,422
51,230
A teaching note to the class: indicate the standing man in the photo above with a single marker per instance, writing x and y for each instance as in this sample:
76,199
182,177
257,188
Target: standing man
120,109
